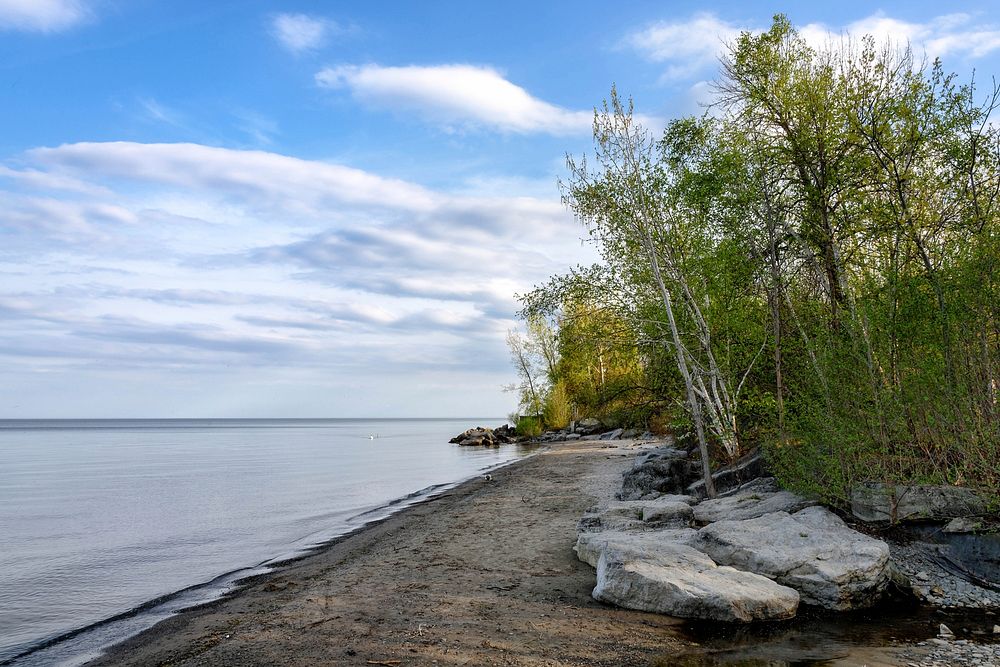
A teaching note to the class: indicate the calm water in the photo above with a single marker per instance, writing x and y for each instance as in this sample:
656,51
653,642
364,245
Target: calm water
98,518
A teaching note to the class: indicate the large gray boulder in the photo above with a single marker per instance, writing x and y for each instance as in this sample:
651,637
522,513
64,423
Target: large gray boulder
680,581
812,551
749,504
874,502
590,546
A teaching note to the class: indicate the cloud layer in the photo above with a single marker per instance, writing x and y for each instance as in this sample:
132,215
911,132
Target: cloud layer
185,259
690,48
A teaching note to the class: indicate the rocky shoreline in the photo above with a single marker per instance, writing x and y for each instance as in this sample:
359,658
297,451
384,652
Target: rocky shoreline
757,552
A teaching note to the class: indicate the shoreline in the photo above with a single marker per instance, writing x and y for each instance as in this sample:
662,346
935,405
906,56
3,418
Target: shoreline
482,573
360,598
147,615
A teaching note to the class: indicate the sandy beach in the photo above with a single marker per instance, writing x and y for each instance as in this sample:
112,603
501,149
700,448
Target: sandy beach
482,575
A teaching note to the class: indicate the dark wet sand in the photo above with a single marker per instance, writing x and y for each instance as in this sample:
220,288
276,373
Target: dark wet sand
483,575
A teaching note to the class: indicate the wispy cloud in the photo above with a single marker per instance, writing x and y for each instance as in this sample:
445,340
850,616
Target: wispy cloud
690,48
300,32
456,95
42,15
685,47
194,257
961,35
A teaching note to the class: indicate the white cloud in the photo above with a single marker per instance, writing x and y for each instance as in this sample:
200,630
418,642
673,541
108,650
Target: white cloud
183,260
300,32
691,48
457,95
305,185
687,47
41,15
950,34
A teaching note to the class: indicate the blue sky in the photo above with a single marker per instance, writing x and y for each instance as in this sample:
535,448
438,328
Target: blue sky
239,209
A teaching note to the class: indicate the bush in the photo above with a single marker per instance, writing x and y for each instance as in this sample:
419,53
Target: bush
557,412
529,426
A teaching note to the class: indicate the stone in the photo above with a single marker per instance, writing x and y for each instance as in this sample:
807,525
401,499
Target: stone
662,470
963,524
680,581
612,435
638,514
572,436
996,629
747,469
944,632
749,504
663,511
874,502
812,551
589,545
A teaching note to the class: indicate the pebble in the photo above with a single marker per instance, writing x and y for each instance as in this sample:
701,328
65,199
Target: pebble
936,586
955,653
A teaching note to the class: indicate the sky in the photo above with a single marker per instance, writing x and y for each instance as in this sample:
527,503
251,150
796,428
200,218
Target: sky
326,209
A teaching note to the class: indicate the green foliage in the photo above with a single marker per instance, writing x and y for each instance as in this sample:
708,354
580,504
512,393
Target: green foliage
529,427
558,412
821,261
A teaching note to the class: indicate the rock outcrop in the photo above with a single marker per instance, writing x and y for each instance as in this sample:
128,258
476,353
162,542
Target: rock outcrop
485,437
812,551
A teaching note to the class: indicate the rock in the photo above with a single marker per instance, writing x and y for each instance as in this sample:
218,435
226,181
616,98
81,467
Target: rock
963,525
589,546
663,470
587,426
630,433
612,435
573,436
812,551
874,502
750,467
749,504
944,632
482,436
677,580
996,629
638,514
663,511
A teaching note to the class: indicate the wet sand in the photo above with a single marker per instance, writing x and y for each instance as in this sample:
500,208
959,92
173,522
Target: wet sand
482,575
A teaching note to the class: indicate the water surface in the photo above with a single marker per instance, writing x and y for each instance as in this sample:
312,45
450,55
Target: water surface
99,517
